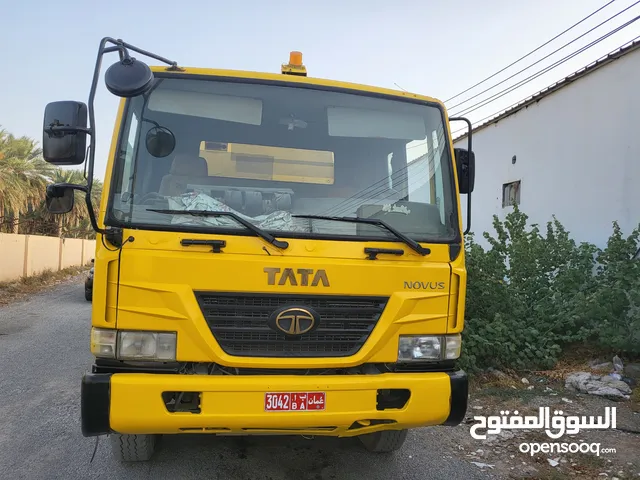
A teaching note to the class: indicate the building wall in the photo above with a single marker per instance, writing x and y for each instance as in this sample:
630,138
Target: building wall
12,249
42,253
72,252
577,156
28,255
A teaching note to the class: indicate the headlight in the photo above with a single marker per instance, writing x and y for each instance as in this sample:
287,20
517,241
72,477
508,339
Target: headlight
103,343
453,346
138,345
133,344
413,348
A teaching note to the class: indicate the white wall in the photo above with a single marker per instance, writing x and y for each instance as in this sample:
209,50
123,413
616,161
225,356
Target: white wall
577,156
28,255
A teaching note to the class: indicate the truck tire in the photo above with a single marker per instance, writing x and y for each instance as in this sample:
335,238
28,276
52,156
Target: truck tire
88,294
384,441
132,448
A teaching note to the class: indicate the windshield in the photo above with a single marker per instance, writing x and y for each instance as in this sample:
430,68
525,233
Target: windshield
270,153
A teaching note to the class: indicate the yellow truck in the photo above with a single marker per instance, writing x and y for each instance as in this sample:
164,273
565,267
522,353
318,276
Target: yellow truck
276,255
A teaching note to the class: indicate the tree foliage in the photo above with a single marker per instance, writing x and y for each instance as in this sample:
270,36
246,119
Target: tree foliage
533,292
24,176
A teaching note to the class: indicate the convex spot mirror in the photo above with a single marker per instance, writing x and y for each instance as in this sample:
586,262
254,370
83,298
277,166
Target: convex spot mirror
59,200
128,78
466,169
64,137
160,142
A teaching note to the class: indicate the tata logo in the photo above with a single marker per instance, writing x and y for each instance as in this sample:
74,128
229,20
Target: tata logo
424,285
294,321
302,276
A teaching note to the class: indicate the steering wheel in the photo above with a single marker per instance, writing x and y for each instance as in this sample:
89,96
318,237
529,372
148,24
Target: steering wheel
149,198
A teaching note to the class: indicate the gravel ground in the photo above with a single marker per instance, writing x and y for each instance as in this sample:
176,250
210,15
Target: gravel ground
44,349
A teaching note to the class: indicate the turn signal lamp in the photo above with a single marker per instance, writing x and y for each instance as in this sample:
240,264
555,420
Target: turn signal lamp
295,66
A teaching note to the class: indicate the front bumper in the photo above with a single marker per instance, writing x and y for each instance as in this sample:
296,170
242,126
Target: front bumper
131,403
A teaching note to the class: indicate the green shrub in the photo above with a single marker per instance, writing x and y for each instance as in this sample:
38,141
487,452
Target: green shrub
531,294
615,306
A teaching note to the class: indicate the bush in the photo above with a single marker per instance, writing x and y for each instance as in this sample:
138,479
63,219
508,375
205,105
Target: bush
615,306
530,295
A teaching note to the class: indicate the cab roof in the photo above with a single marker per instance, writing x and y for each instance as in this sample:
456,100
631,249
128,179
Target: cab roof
301,79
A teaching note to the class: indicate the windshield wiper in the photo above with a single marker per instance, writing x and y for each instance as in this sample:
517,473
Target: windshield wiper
213,213
374,221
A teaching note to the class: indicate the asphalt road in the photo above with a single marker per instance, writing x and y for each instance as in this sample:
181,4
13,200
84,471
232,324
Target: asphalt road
44,345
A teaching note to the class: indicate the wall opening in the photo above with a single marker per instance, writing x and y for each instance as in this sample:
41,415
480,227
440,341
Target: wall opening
510,194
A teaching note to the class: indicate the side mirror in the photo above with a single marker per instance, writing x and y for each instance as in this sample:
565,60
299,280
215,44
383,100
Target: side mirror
160,141
128,78
466,169
64,139
59,199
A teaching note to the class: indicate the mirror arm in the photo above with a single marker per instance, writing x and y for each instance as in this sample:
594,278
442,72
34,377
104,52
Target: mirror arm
150,121
92,215
128,46
469,149
59,130
60,187
92,95
122,48
83,188
52,130
114,49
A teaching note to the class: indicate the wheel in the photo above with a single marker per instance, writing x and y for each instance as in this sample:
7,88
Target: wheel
88,294
150,197
132,448
384,441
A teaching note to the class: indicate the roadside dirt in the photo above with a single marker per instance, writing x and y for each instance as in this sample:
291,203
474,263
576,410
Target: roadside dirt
501,455
20,289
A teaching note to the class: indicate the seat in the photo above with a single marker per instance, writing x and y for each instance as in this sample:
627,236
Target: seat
185,169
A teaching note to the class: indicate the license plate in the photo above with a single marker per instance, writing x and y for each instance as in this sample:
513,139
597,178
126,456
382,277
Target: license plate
294,401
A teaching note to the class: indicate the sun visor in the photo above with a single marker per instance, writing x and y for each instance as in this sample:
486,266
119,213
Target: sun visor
360,122
198,104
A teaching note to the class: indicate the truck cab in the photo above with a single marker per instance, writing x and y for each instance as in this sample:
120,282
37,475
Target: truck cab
276,254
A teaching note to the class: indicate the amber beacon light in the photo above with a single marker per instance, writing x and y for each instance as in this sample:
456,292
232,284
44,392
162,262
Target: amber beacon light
295,66
295,58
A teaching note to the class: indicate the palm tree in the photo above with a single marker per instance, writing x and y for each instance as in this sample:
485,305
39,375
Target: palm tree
11,192
23,176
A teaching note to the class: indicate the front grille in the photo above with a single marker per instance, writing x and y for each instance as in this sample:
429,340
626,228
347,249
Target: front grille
239,324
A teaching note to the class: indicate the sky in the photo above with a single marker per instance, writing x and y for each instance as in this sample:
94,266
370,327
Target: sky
434,48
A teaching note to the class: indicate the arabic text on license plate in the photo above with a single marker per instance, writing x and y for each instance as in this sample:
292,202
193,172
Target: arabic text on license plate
294,401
